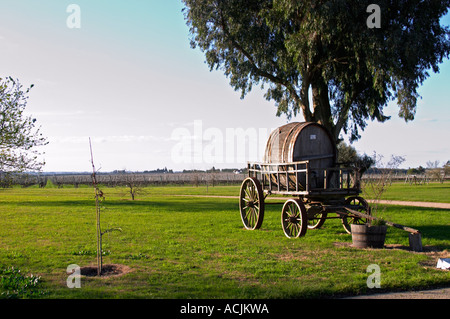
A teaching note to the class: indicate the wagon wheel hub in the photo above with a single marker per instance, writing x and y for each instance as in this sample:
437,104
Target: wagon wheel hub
293,220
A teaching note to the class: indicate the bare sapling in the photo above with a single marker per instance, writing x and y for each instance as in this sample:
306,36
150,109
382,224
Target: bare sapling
376,184
99,198
134,185
435,172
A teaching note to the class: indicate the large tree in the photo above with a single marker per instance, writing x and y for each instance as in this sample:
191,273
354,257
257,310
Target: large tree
19,135
295,48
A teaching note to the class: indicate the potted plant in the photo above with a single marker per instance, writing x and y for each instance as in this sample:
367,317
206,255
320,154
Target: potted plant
372,233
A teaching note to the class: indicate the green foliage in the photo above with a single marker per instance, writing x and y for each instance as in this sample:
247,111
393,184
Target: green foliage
18,135
348,155
293,46
14,284
377,222
416,171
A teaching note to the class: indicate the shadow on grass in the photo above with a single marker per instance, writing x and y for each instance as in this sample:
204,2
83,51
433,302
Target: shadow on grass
438,232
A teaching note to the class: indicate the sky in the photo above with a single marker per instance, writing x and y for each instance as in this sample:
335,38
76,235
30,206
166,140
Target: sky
123,74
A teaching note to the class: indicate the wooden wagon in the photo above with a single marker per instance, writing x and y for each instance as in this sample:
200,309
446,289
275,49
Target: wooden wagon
300,161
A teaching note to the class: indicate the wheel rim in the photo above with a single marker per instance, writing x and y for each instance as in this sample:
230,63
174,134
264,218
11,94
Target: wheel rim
317,220
293,219
360,205
251,203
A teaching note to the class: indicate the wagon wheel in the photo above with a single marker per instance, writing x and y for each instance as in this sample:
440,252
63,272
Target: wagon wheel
294,219
316,216
251,203
360,205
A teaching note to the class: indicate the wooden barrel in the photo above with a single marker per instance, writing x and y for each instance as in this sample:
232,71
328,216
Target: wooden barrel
302,141
359,236
364,236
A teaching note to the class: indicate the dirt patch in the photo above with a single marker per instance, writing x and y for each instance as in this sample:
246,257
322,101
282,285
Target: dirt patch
109,270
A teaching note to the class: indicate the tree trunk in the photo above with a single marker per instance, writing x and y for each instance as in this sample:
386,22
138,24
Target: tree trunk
322,109
304,99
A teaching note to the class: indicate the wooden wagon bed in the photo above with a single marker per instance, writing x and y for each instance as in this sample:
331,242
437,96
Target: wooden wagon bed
300,179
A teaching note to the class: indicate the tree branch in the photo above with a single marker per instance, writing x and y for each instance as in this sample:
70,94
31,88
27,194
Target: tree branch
343,115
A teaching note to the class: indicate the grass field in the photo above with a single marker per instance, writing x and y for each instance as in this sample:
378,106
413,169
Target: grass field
433,192
196,247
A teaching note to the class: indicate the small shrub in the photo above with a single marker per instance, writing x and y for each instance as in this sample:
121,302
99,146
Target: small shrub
16,285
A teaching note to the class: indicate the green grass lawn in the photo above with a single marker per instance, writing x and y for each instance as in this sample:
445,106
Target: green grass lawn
194,247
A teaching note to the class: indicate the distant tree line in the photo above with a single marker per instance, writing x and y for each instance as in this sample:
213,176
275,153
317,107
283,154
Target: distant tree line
156,171
123,179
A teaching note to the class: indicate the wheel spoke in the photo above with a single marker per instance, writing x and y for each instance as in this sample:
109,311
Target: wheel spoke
292,210
253,217
253,191
247,214
246,192
296,229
